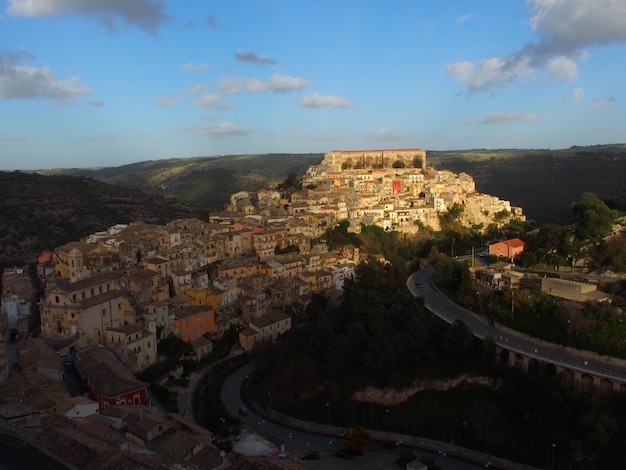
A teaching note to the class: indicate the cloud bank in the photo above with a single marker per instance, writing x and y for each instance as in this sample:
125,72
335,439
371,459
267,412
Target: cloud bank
564,29
325,101
148,15
253,58
26,82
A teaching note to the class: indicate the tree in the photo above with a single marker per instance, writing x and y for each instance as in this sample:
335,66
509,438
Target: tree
593,218
379,359
357,440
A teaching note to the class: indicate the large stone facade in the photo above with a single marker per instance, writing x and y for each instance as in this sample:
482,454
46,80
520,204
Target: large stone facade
338,160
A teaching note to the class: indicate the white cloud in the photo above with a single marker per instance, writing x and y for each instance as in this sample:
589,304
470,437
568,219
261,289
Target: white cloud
95,103
570,25
197,89
387,135
490,73
212,23
168,101
462,19
562,68
12,137
254,58
277,83
564,28
148,15
208,101
325,101
604,103
220,131
191,67
231,86
577,94
497,119
22,81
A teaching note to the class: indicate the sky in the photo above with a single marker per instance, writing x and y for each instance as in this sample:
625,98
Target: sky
91,83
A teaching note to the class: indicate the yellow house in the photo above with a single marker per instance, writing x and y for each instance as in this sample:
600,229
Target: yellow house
211,296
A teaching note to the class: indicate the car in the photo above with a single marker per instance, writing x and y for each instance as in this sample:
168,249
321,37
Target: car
310,455
343,454
391,444
419,285
243,411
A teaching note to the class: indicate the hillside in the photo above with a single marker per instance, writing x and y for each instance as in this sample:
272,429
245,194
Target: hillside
203,181
543,182
41,212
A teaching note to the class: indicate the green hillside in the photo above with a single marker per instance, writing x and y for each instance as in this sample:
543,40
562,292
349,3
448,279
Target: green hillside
204,181
543,182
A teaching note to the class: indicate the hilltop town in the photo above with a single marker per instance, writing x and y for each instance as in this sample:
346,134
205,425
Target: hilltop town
107,300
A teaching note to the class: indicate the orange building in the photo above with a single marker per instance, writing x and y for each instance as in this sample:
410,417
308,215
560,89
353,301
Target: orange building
193,322
508,248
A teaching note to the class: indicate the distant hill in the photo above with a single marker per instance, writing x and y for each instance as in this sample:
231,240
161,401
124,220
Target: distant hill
53,207
204,181
40,212
543,182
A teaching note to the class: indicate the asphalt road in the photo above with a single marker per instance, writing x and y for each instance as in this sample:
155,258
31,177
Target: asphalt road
297,441
542,351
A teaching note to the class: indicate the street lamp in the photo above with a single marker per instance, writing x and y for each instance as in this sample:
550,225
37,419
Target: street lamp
328,412
388,422
553,447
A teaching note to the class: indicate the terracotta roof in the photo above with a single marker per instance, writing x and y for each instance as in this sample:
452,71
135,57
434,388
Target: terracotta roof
108,375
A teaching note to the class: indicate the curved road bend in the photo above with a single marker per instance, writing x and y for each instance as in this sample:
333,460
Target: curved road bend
444,308
300,439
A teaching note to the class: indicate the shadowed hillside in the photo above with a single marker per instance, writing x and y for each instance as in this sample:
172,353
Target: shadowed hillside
41,212
543,182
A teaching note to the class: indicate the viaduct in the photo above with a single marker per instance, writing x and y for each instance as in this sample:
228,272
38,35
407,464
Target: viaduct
582,371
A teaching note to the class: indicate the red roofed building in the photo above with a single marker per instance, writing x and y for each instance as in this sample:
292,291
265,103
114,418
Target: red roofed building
109,381
508,248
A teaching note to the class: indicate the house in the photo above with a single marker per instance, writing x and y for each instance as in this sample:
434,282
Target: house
201,347
507,248
192,322
110,382
572,290
35,355
134,345
266,328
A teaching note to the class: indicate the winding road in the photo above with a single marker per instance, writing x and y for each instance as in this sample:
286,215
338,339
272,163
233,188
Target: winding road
298,440
583,361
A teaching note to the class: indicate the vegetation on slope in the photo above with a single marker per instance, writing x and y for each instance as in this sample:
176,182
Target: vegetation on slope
42,212
543,182
204,181
448,383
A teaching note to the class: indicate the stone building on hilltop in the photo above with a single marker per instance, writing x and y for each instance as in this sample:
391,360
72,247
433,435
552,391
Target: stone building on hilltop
338,160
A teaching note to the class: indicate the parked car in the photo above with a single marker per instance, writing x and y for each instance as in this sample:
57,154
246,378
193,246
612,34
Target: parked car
243,411
391,444
310,455
343,454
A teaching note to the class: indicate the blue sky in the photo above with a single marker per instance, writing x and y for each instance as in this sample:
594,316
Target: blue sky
87,83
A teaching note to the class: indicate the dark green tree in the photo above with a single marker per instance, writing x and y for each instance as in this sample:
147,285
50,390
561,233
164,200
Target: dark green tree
593,218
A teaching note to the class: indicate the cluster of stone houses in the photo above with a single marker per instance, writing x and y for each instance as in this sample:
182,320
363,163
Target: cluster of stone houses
190,278
109,298
133,284
394,194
